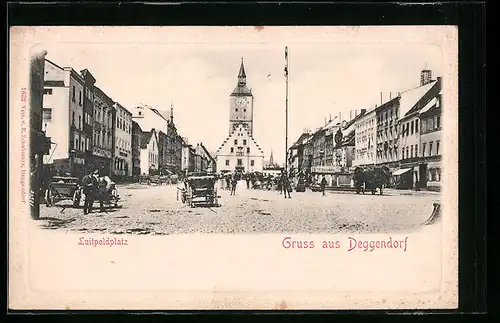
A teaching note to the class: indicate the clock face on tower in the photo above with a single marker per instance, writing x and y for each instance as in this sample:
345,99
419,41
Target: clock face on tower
241,103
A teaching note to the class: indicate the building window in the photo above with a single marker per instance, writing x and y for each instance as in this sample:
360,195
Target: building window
235,141
248,150
227,162
240,162
47,114
47,91
438,122
437,147
407,152
73,118
430,148
416,126
244,141
411,128
252,163
80,98
416,150
423,149
232,150
74,94
79,122
77,145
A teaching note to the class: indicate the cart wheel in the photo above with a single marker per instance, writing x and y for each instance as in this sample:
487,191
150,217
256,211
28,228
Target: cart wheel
49,199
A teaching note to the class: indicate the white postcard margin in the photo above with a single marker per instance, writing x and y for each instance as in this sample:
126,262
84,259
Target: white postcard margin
24,265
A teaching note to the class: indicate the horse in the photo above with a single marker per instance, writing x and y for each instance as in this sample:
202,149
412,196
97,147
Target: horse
371,179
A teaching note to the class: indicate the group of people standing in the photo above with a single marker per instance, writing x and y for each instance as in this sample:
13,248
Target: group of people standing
283,182
95,187
229,181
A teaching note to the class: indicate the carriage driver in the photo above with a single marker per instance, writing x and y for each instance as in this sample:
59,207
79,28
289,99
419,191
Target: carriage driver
89,183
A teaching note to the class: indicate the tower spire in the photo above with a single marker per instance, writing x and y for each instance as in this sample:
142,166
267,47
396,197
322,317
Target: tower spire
271,159
242,77
171,112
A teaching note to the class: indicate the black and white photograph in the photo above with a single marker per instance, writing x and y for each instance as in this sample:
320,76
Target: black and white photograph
313,161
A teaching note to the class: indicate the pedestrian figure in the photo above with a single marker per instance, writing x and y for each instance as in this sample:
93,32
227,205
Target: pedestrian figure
248,181
228,181
323,185
234,181
280,183
89,183
221,180
286,186
105,191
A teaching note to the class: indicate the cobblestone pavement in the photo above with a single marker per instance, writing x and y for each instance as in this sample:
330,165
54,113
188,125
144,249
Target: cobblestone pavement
155,210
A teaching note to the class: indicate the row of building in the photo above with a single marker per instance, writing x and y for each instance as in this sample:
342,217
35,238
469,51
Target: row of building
89,130
403,134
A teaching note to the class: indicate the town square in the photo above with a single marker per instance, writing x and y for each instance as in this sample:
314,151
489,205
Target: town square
99,164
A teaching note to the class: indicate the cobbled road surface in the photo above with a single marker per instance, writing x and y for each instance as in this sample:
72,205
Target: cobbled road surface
154,209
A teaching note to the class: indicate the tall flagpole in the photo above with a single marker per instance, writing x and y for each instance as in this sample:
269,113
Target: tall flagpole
286,109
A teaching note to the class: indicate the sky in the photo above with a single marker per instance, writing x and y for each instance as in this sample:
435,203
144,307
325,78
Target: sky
325,79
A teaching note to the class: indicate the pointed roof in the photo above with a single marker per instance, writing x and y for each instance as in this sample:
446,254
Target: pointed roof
241,88
242,69
146,137
271,159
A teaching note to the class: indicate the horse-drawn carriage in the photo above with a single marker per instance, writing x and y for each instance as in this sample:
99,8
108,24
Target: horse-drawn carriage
158,179
200,190
63,188
69,188
369,179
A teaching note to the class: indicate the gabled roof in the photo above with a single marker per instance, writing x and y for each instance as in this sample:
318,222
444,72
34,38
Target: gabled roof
152,119
146,137
429,105
205,150
302,139
231,135
164,114
410,98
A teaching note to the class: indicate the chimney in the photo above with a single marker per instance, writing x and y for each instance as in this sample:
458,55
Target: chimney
340,116
425,77
390,96
381,98
356,113
350,115
363,111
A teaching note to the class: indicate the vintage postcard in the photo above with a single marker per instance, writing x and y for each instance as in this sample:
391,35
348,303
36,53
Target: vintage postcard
175,168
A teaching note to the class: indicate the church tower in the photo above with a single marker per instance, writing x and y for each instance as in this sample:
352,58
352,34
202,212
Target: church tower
241,104
240,151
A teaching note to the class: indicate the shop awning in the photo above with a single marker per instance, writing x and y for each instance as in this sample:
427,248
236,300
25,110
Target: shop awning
401,171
